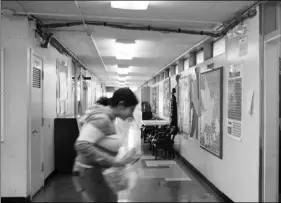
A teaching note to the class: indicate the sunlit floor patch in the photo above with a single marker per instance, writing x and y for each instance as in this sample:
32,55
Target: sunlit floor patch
178,179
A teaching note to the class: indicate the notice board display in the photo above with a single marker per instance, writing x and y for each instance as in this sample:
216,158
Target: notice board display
167,96
211,107
234,111
155,99
62,89
184,105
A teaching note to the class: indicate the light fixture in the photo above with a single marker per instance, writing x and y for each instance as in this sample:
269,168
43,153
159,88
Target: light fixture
122,69
122,84
123,57
130,5
124,49
122,78
133,89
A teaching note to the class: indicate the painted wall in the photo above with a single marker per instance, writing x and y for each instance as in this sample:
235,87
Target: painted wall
0,102
17,38
237,174
271,124
14,149
50,56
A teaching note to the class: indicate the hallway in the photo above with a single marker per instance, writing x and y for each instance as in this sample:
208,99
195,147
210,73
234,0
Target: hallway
159,180
208,68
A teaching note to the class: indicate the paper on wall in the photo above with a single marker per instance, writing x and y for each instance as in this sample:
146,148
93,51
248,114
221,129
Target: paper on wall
234,123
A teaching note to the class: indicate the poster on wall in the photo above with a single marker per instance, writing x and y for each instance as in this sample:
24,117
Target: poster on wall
234,111
243,46
154,99
195,108
62,88
185,112
211,107
2,96
167,97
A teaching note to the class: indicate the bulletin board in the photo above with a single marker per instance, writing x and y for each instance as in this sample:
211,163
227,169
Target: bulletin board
155,99
184,105
167,96
62,89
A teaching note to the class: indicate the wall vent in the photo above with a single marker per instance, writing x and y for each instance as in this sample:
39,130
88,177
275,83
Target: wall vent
36,78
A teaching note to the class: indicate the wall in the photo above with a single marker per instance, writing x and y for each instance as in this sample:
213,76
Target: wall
17,39
145,94
270,124
50,57
14,149
0,101
237,174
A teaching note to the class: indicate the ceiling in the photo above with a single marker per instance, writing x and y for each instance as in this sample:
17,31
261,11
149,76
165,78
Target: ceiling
153,50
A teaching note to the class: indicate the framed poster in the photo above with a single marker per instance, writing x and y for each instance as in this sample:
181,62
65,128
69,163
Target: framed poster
211,107
167,97
154,99
2,95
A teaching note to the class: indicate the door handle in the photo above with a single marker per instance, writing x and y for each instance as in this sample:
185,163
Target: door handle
35,131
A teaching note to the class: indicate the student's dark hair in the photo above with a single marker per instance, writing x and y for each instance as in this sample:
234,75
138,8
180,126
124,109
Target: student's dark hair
104,101
124,96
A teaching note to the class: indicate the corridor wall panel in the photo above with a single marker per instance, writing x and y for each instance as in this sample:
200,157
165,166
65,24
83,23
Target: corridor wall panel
237,173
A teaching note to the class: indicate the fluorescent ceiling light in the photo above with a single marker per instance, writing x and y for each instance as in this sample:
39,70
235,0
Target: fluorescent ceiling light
124,49
122,78
123,57
123,70
133,88
122,82
130,5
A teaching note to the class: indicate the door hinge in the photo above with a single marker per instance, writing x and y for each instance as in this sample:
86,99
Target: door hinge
42,122
42,166
42,75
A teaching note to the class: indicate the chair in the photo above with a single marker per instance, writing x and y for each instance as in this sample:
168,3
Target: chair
165,142
159,140
147,132
170,142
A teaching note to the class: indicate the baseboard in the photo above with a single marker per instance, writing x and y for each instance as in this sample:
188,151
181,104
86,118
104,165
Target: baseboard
16,199
201,176
49,177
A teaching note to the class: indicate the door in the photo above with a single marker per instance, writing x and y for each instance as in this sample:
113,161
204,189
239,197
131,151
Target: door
37,175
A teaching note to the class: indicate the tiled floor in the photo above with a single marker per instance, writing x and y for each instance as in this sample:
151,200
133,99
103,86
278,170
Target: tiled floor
159,180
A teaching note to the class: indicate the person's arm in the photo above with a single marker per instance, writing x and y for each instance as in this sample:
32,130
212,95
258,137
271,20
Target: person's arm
89,135
87,149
